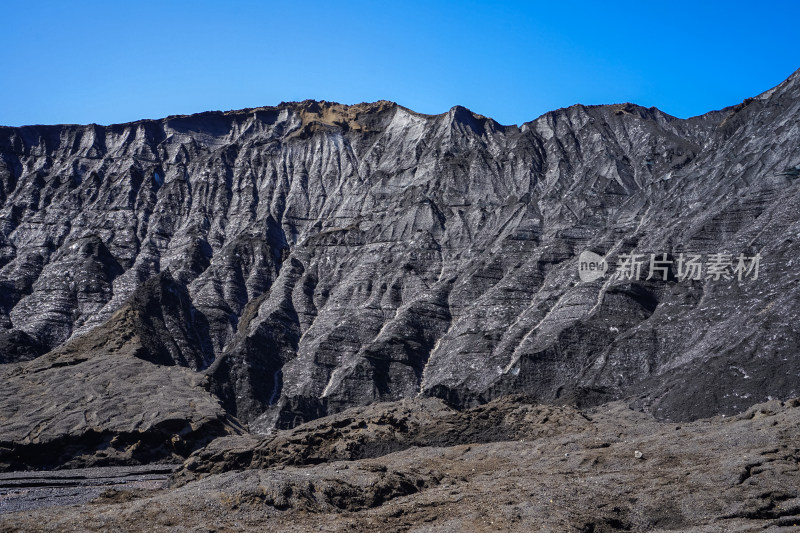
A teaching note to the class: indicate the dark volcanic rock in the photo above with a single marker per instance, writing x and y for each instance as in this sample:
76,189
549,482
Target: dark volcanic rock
312,257
103,411
16,345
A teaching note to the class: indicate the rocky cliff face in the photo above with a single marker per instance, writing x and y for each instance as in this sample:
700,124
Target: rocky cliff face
310,257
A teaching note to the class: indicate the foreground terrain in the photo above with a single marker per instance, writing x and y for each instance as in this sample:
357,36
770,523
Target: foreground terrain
509,465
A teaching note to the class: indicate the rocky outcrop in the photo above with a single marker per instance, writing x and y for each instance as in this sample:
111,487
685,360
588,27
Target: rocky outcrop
299,260
116,395
381,429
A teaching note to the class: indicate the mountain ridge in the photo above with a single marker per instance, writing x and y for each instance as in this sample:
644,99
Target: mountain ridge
310,257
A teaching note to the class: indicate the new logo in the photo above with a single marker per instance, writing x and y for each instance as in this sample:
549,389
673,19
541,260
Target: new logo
591,266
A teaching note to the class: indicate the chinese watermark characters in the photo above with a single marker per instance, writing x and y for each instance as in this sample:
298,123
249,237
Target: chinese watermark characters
683,267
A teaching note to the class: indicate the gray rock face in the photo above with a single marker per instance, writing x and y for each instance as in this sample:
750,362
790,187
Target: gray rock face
311,257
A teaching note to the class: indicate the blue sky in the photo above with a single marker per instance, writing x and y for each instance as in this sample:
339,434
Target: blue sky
108,62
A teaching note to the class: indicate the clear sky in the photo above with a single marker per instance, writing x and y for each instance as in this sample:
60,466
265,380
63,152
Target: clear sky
108,61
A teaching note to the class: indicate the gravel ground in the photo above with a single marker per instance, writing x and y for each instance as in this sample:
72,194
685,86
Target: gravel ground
28,491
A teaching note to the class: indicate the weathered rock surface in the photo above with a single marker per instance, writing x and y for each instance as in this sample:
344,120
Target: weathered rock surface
383,428
299,260
578,472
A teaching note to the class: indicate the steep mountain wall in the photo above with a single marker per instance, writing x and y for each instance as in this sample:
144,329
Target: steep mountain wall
310,257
